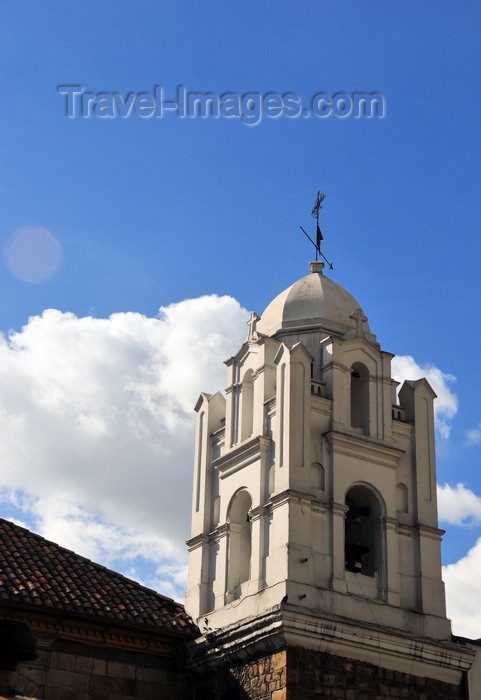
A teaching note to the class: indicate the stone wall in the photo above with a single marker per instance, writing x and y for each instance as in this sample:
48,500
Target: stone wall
302,674
66,670
263,678
318,676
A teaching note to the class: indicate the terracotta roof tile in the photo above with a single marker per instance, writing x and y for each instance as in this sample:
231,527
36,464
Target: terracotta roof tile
34,571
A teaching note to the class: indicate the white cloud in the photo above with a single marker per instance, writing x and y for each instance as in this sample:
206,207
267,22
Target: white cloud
458,505
463,593
97,429
474,435
446,405
169,578
97,426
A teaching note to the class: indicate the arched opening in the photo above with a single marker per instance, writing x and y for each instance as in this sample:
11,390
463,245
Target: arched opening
247,409
360,397
362,530
240,543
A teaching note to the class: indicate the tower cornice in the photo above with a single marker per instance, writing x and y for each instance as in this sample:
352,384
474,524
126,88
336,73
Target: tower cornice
242,455
365,448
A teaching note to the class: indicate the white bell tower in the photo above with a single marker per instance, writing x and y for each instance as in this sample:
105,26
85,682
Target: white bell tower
314,508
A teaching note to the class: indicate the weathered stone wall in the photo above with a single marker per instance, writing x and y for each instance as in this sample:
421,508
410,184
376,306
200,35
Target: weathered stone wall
66,670
302,674
317,676
260,679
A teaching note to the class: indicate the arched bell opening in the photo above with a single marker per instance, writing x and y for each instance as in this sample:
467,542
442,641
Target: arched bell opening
362,529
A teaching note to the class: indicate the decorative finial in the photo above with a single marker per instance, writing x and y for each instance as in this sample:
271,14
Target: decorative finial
319,237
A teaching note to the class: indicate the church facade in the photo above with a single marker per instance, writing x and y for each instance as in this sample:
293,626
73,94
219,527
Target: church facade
314,557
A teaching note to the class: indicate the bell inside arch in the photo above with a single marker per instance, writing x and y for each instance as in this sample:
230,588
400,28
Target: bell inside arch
355,546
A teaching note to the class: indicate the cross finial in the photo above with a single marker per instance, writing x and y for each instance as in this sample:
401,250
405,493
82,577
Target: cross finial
252,323
319,237
317,205
359,318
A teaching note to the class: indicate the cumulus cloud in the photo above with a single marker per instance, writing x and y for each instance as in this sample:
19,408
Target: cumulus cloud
97,427
458,505
463,593
446,404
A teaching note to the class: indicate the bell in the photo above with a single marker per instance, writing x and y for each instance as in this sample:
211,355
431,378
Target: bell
354,548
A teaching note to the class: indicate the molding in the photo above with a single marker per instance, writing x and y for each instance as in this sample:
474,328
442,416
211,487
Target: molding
336,364
287,625
257,513
218,533
362,342
203,397
427,531
237,643
386,648
278,499
241,455
365,448
196,542
288,496
94,631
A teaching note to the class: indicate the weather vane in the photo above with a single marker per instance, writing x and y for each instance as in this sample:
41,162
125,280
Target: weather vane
319,237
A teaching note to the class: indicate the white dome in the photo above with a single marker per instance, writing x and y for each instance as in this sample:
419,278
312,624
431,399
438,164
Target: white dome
314,302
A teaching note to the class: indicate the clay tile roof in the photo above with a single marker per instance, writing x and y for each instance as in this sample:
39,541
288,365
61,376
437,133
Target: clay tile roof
34,571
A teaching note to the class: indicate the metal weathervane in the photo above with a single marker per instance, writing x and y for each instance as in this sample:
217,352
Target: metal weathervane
319,237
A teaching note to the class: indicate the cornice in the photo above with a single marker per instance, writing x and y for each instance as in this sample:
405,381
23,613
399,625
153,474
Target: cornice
365,448
241,455
382,646
287,625
88,629
196,542
429,531
219,532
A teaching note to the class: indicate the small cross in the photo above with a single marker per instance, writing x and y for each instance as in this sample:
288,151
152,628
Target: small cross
359,318
252,323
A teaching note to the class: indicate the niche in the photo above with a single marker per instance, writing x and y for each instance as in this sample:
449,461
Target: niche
240,543
360,397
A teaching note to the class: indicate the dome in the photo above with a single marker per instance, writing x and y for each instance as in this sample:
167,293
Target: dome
314,302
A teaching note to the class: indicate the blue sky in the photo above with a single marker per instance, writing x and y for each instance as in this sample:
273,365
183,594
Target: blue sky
151,212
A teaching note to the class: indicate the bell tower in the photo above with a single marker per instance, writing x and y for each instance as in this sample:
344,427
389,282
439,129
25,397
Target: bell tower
314,519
